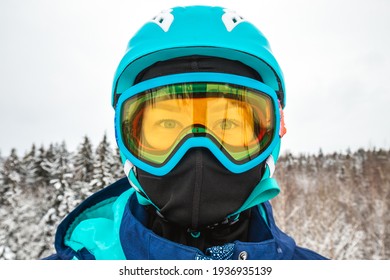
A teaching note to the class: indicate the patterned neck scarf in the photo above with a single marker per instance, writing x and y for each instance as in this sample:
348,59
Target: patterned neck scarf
224,252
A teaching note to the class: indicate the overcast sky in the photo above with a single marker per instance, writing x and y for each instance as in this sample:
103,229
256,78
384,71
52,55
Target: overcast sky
58,58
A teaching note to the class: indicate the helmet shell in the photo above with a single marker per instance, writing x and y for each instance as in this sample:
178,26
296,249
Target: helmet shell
198,30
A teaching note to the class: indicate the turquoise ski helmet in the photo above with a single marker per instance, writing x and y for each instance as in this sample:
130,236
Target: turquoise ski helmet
198,30
204,31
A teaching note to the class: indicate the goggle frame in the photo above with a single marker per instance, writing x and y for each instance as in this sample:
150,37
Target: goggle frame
203,142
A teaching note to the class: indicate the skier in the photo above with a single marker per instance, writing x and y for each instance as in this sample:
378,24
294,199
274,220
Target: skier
198,99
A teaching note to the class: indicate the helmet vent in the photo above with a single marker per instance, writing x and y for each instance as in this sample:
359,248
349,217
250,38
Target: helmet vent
160,20
164,19
231,19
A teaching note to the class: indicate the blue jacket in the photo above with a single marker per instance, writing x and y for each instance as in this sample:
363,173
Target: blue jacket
110,225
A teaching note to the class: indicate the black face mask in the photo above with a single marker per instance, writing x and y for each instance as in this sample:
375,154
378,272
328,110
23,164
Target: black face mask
199,191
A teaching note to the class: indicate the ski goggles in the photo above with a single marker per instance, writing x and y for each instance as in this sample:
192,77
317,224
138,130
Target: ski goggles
159,120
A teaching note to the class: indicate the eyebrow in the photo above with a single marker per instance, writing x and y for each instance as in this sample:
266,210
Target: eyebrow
228,106
166,107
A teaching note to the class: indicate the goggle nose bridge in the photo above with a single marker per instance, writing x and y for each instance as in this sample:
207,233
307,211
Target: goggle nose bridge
199,130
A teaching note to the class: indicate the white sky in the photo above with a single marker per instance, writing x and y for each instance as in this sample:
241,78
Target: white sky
58,58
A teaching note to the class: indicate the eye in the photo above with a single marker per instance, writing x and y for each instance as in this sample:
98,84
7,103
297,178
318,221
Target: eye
227,124
169,124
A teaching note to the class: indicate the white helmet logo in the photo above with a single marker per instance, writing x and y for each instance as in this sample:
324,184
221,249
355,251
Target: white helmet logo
164,19
231,19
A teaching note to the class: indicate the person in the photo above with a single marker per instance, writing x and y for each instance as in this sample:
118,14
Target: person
198,99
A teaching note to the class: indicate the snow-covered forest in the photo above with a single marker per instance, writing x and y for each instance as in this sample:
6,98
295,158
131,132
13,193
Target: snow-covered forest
336,204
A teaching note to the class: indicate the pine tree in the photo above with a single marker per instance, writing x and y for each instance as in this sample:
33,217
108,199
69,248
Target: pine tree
42,175
47,164
11,177
117,168
104,161
29,168
60,169
57,165
83,162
